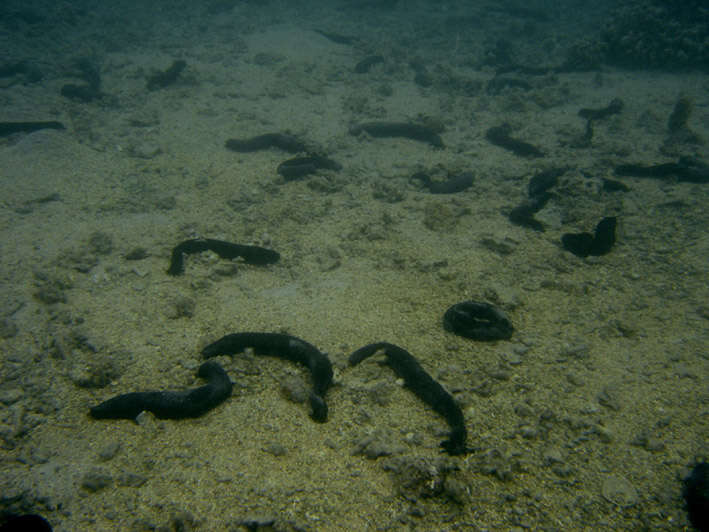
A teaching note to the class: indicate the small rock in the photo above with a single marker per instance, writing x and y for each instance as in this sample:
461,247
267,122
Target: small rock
294,389
145,150
98,373
654,445
131,480
109,451
137,254
8,329
95,480
552,456
100,243
9,396
276,449
528,433
618,490
182,307
375,446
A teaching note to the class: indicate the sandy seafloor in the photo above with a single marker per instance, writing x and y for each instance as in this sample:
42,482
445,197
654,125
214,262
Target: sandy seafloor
587,419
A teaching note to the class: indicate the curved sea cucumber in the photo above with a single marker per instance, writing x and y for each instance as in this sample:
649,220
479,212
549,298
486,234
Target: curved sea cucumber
282,346
538,189
160,80
226,250
500,136
399,129
424,387
298,167
169,404
615,107
452,185
10,128
282,141
599,243
479,321
367,63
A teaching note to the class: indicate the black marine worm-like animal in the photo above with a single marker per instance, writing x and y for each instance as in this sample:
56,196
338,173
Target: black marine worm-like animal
424,387
226,250
399,129
282,141
169,404
283,346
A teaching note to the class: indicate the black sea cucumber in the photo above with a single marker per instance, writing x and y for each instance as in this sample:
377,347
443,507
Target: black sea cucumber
696,495
10,128
399,129
283,346
298,167
686,169
454,183
599,243
91,74
500,136
538,188
477,320
161,80
337,37
424,387
169,404
226,250
367,63
282,141
615,107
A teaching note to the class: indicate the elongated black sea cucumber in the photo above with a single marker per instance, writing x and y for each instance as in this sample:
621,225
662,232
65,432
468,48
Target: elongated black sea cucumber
282,141
10,128
170,404
685,169
282,346
454,183
226,250
500,136
298,167
399,129
424,387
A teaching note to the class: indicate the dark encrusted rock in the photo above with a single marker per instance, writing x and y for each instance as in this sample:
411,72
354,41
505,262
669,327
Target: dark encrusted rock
96,480
660,34
478,320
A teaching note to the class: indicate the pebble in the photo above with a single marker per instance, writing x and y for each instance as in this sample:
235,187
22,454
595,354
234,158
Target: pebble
145,150
109,451
131,480
10,395
552,456
618,490
95,480
276,449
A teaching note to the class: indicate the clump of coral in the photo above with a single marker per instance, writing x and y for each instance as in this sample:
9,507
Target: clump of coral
658,34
